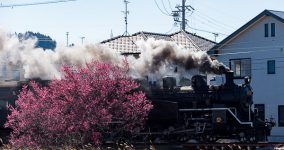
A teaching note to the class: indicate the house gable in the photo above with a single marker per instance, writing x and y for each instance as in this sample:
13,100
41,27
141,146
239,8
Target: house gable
273,16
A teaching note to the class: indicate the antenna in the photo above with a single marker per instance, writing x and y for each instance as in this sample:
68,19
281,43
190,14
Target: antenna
82,38
126,12
67,33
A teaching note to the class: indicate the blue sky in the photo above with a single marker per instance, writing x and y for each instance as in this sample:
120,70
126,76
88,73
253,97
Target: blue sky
95,19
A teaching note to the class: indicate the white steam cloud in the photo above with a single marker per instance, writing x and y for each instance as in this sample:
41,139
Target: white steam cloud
156,58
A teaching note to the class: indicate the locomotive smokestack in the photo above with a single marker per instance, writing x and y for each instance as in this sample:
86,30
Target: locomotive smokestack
229,78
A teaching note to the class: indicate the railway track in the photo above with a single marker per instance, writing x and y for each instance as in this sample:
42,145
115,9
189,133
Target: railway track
208,146
235,146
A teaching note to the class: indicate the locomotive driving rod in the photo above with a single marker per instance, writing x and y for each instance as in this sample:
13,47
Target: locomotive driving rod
213,109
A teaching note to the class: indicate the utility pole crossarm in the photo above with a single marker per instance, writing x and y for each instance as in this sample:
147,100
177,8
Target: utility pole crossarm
182,9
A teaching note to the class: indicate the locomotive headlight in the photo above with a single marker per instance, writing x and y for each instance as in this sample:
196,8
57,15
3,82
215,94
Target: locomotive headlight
219,119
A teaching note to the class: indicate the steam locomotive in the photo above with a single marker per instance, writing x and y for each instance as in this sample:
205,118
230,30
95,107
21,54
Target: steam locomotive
204,113
186,113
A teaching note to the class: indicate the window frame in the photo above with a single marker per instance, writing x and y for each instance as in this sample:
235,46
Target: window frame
269,63
241,76
280,124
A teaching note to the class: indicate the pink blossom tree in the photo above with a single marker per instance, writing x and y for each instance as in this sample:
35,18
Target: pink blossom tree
84,106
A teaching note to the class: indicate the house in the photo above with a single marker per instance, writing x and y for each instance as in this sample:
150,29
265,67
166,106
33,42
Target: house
257,50
127,44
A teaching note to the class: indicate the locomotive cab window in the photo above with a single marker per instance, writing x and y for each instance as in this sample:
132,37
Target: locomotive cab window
241,67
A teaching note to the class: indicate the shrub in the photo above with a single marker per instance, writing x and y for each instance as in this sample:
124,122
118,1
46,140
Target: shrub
86,104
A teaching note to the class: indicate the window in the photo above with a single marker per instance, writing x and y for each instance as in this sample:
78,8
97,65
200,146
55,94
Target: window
241,67
271,67
272,29
266,30
260,111
281,115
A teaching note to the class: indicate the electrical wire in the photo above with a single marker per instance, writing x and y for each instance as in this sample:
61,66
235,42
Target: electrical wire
240,43
170,29
161,9
35,3
202,30
170,5
211,23
261,60
220,11
208,24
247,52
214,20
165,7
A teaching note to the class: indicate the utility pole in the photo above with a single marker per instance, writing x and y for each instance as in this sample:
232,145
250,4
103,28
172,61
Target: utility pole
183,15
181,9
111,34
126,12
82,38
215,35
67,33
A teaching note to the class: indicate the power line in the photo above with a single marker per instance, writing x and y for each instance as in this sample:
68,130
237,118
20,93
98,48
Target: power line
35,3
239,43
216,34
214,20
208,24
170,5
161,9
165,7
202,30
247,52
211,23
254,47
170,29
260,60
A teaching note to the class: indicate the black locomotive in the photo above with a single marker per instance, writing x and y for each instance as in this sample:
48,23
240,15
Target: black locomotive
191,113
204,113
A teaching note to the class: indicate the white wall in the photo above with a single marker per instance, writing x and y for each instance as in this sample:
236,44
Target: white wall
268,88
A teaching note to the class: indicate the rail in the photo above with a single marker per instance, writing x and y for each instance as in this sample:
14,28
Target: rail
212,109
241,146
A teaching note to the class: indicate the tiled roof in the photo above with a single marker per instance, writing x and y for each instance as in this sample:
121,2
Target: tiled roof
280,14
157,36
203,43
127,44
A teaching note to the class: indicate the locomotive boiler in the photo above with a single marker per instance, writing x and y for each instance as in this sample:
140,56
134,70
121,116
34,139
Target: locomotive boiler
204,113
